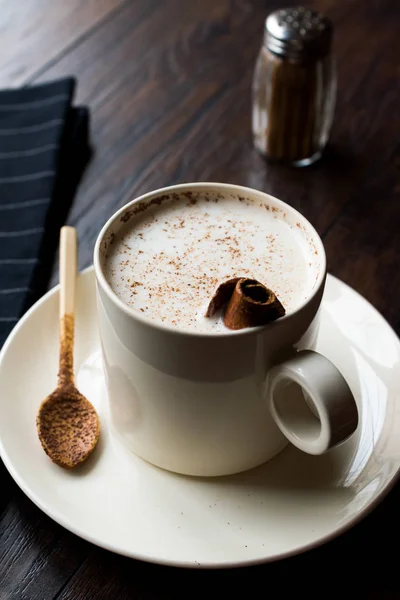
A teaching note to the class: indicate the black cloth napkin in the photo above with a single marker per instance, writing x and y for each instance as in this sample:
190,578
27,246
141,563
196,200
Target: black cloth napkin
44,148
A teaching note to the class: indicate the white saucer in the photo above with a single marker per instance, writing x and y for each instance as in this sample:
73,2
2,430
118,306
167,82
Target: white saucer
121,503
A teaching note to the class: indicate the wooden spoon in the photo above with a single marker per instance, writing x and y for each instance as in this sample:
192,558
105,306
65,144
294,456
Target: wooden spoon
67,423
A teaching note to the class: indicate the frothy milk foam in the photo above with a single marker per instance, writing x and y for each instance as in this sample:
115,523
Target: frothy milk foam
167,260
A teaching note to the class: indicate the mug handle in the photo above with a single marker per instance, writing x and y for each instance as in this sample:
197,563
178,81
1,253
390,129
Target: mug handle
311,402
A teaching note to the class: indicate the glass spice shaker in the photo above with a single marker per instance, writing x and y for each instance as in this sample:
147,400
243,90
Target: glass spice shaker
294,87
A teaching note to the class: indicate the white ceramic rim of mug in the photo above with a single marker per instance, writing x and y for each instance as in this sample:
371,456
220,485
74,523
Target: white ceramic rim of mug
227,187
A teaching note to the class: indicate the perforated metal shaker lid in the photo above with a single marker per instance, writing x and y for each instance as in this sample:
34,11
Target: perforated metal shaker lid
298,33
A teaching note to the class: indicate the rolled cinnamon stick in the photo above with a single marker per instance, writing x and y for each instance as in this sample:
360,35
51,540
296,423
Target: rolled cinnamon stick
249,303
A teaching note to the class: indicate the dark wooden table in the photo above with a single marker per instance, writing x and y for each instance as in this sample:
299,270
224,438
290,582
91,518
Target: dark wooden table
168,85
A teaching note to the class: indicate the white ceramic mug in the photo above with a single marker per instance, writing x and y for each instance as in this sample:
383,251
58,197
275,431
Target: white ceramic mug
220,403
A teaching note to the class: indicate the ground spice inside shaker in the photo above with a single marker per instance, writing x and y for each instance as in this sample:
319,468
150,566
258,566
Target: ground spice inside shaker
294,87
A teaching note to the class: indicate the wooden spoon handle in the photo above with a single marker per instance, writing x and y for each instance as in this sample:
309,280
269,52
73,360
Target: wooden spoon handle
68,269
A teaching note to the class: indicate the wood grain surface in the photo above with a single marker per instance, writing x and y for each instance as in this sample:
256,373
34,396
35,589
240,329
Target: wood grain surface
36,33
168,85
